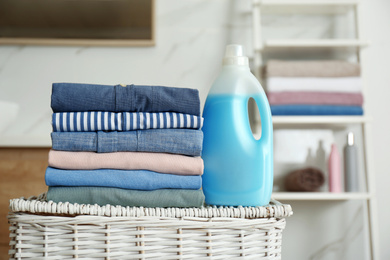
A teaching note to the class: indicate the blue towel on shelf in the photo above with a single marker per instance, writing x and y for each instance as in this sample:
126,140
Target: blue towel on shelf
177,141
315,110
123,121
75,97
125,179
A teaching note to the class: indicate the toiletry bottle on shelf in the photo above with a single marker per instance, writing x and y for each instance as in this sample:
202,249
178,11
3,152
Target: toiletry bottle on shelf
334,169
238,169
350,165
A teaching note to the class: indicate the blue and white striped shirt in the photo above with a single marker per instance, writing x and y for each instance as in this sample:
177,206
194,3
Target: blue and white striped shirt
125,121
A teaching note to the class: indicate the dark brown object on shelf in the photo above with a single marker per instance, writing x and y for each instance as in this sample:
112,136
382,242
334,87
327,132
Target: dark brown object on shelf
307,179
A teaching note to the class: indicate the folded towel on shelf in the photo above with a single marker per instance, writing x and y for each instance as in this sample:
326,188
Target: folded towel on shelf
315,98
308,179
158,162
132,198
125,179
177,141
315,110
124,121
347,84
325,68
75,97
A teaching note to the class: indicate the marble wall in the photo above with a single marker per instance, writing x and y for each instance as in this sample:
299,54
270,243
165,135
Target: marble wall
190,40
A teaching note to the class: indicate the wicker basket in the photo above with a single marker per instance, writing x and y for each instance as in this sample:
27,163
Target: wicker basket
41,229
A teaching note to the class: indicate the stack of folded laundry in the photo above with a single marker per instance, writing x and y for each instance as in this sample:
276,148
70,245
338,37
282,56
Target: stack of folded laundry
314,88
125,145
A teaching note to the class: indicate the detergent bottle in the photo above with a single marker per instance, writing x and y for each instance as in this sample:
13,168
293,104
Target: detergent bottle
238,169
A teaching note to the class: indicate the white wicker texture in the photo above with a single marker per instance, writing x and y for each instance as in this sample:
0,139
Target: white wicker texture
40,229
40,205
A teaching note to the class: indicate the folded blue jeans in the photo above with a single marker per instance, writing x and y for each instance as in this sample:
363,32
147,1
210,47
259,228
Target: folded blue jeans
124,179
122,121
177,141
75,97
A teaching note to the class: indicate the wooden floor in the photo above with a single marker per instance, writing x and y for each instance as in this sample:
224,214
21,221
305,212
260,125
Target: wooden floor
22,173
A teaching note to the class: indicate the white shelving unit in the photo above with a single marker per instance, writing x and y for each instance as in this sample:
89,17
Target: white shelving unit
314,43
261,45
321,196
320,3
323,120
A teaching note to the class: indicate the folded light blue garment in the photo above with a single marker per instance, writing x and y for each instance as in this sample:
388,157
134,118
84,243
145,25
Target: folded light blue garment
177,141
125,179
132,198
315,110
122,121
75,97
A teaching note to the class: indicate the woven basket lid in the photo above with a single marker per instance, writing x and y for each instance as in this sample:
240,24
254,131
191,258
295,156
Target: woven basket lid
39,205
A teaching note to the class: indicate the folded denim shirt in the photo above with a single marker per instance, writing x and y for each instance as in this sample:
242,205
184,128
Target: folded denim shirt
122,121
125,179
75,97
177,141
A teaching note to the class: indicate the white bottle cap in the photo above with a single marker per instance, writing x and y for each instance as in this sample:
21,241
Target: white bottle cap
234,55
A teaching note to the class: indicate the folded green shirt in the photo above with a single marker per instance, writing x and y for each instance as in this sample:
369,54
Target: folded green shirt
134,198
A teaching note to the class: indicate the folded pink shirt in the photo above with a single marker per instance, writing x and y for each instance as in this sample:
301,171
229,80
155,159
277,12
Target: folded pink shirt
158,162
315,98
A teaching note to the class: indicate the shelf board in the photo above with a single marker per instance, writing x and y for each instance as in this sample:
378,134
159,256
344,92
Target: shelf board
307,6
25,141
77,42
312,120
320,196
309,2
314,43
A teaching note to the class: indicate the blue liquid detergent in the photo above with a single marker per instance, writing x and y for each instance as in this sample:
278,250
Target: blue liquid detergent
238,168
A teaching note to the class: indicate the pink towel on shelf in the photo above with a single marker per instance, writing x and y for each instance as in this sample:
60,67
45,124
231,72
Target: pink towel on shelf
315,98
158,162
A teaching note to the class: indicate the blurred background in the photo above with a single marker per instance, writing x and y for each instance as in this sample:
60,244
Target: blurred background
181,44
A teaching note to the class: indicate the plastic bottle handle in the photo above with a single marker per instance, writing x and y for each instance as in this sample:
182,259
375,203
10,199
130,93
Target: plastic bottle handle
266,119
